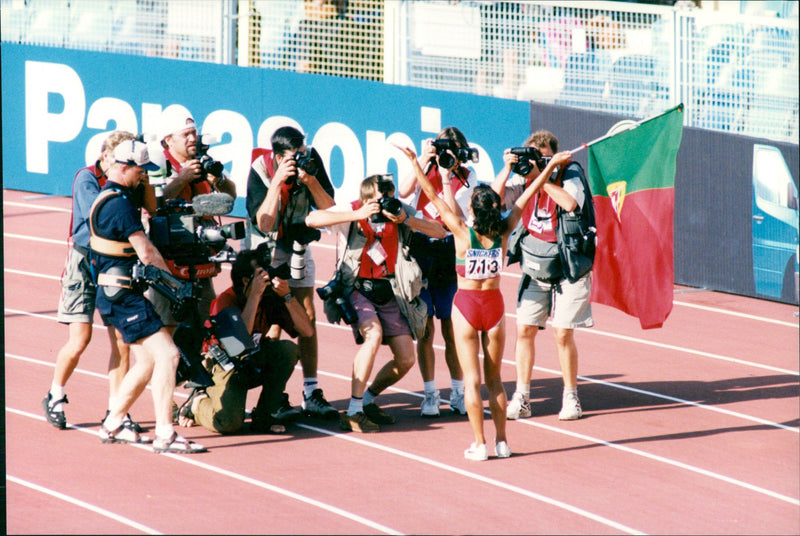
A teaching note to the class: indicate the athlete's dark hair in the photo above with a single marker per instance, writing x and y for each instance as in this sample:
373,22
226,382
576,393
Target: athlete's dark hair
486,208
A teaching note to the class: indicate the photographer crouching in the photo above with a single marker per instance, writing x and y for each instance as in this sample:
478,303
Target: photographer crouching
261,295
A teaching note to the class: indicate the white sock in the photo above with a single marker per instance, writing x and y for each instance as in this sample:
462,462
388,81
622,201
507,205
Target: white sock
570,390
356,406
57,393
309,384
429,387
112,424
368,397
111,401
457,385
164,431
525,389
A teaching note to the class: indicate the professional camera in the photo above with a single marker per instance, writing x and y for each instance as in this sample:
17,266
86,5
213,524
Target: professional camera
207,164
264,260
229,342
187,234
526,155
387,201
297,236
306,161
463,154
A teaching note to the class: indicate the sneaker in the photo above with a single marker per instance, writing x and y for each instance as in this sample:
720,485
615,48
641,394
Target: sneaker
376,414
285,412
457,403
519,407
317,406
570,408
56,418
177,444
476,453
502,449
357,423
430,405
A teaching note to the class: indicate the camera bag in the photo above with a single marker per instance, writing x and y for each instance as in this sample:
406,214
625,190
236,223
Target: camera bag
576,233
541,260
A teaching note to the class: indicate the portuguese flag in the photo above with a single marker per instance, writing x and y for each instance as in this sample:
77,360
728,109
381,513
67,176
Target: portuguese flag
632,177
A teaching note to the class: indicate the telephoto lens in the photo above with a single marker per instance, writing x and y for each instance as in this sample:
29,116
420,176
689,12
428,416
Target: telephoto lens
297,262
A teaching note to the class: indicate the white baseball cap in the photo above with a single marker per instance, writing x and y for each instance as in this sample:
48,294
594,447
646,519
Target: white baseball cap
174,120
134,153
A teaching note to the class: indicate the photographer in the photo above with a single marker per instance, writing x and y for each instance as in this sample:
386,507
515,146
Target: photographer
442,161
188,177
117,240
545,294
262,300
284,185
382,284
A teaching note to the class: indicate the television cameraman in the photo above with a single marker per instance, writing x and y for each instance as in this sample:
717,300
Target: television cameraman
117,241
442,161
284,185
262,301
382,283
188,175
78,291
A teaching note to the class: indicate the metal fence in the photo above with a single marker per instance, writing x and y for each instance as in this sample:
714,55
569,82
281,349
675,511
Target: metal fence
737,73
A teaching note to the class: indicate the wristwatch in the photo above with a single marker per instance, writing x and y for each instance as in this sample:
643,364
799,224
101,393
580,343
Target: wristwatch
287,297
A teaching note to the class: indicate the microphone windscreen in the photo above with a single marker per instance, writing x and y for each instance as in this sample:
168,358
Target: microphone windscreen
213,204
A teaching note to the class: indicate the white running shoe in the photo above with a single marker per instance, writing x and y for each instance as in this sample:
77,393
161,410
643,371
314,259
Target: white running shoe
477,453
519,407
430,406
457,402
570,408
502,449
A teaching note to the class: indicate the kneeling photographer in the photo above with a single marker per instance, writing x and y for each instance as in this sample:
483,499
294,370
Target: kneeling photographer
262,297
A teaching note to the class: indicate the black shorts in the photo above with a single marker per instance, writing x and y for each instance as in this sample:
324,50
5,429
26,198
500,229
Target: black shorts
133,316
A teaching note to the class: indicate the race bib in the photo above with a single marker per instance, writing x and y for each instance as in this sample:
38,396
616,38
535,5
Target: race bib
482,263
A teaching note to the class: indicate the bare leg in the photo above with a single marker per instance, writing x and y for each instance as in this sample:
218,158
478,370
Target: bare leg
466,339
493,342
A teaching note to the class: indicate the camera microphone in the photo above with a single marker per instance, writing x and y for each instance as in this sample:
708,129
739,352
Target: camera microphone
213,204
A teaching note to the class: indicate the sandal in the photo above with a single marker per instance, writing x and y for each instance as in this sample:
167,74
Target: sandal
185,410
127,422
177,444
56,418
122,434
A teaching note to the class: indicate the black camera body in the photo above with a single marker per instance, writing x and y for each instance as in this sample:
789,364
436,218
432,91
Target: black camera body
387,201
463,154
306,162
264,260
335,291
189,239
526,155
207,164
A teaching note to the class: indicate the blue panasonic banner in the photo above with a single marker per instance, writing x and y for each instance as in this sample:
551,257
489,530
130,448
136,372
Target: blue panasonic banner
59,105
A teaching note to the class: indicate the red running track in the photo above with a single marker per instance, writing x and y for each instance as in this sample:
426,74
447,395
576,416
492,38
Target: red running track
688,429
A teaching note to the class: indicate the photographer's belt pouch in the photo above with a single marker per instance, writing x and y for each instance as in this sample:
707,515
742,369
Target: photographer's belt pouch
378,291
540,259
115,284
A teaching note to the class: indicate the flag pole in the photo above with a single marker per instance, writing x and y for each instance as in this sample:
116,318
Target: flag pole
621,126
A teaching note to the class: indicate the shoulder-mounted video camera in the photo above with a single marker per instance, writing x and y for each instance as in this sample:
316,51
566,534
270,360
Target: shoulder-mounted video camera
463,154
526,156
187,233
387,201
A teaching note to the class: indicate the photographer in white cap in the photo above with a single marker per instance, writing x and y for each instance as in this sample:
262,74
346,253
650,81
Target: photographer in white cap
117,240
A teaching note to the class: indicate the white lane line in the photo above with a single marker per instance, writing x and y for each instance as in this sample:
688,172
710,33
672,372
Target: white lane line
40,207
83,504
31,274
475,476
513,275
582,437
36,239
236,476
558,374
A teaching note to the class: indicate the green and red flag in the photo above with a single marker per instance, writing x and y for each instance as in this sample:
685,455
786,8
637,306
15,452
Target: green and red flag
632,177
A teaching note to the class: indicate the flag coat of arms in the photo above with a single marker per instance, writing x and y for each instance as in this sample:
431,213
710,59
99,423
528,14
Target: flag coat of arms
632,178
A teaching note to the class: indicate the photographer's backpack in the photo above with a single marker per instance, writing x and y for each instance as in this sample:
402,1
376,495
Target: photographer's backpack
577,233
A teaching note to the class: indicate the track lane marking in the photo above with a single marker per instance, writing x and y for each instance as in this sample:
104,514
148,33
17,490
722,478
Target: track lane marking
236,476
83,504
